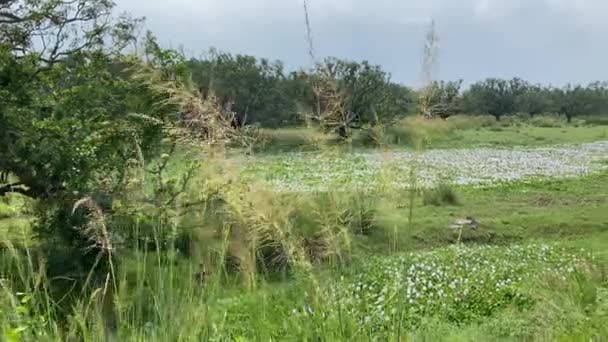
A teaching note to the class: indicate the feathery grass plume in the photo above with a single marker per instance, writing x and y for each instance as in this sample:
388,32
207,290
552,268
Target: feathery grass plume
430,53
309,36
313,59
95,229
429,66
200,118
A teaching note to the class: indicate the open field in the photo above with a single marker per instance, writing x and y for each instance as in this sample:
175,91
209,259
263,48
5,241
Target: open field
456,133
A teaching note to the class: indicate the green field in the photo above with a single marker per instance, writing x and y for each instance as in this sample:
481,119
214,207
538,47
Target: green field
457,132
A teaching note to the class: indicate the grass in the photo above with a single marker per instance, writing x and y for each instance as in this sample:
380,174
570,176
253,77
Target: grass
15,220
355,265
466,293
456,132
443,194
509,213
525,136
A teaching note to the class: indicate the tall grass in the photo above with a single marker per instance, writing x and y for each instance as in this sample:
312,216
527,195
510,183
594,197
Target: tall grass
158,296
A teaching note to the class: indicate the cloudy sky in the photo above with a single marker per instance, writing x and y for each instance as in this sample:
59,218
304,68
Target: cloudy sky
548,41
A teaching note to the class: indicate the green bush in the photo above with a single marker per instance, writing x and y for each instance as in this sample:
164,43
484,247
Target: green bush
548,121
400,135
596,120
372,136
463,122
443,194
6,210
290,139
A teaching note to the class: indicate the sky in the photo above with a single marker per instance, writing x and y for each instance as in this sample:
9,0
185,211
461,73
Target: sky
544,41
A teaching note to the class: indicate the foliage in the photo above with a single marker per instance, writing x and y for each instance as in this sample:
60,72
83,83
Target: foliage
499,97
443,194
535,100
145,219
571,101
256,91
440,99
496,97
75,122
67,118
259,91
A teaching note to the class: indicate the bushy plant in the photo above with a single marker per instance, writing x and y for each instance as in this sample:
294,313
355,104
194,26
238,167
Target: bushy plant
443,194
372,136
547,121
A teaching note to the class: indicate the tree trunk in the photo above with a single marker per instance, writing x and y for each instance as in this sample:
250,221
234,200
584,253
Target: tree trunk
342,132
245,117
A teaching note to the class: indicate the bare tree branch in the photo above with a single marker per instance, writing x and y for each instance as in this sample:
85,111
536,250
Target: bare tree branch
17,188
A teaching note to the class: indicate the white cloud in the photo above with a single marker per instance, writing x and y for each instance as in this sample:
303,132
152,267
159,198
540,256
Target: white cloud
544,40
496,9
587,14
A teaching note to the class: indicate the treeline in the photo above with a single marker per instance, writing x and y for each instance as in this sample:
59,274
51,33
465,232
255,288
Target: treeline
263,92
499,97
260,91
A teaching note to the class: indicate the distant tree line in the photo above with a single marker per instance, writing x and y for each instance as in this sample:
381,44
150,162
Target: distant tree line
499,97
262,92
259,91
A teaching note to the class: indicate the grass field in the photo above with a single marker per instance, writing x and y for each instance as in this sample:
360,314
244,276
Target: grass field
457,132
364,246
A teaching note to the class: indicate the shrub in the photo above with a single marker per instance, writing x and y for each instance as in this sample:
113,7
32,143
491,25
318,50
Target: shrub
361,214
6,210
596,120
443,194
463,122
372,136
418,130
290,139
400,135
548,121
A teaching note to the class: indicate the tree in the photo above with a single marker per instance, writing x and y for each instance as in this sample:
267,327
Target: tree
572,100
598,98
349,94
54,30
253,89
440,99
72,116
534,100
493,96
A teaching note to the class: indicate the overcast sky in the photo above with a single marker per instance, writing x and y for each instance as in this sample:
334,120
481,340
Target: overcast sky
547,41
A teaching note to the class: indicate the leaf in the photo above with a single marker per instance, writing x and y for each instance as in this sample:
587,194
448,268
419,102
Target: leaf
13,335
